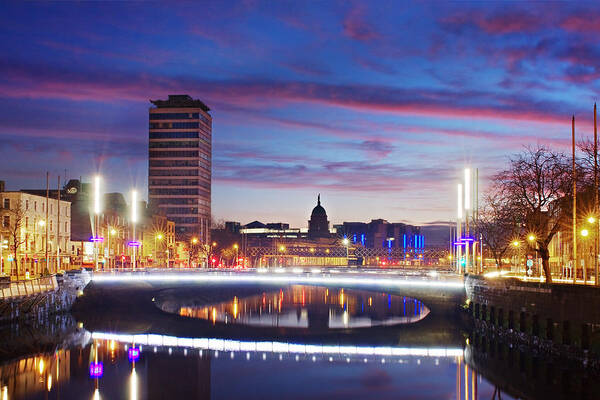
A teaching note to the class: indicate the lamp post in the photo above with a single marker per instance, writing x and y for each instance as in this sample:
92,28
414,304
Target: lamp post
158,236
515,244
111,232
134,218
584,234
41,223
194,243
97,210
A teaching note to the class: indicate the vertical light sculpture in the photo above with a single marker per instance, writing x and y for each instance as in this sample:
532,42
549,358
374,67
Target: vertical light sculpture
467,200
459,215
133,222
97,211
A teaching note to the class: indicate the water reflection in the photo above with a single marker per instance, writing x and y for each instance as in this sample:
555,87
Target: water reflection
301,306
160,372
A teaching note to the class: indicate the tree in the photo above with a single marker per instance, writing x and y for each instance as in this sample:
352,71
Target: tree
497,225
537,188
16,222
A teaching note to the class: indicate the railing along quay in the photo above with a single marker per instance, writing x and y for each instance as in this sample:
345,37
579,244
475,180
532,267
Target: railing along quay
27,288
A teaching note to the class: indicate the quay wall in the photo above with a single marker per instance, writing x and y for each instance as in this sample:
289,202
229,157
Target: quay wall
554,317
39,305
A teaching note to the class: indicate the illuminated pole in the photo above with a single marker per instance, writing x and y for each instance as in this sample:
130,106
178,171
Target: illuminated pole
47,222
574,269
97,210
58,227
133,222
459,216
467,208
597,231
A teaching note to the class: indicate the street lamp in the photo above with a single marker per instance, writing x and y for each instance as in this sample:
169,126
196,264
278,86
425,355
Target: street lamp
97,211
585,232
515,244
134,218
158,236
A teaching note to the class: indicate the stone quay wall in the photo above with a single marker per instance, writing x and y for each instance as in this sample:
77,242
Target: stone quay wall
38,305
556,317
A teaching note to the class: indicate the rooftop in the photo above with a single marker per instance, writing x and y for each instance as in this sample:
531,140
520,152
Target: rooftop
180,101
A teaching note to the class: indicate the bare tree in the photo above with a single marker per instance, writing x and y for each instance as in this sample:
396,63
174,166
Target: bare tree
537,186
16,221
497,225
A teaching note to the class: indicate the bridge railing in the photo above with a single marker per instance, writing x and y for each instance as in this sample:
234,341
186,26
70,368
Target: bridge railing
28,287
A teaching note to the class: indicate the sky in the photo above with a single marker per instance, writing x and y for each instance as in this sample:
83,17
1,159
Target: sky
376,105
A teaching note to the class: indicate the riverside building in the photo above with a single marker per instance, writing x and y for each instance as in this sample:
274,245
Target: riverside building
179,171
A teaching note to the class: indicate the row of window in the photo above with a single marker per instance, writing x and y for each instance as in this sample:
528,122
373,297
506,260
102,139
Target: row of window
160,145
174,135
170,172
174,182
185,220
174,125
6,221
174,153
165,116
159,116
180,210
64,211
190,200
175,163
197,191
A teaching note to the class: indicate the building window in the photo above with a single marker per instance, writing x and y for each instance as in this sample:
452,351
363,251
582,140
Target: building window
6,221
26,204
50,225
35,206
7,203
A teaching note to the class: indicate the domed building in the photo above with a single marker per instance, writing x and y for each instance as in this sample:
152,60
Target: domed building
318,225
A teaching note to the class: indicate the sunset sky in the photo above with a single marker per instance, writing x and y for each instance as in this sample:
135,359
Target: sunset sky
377,108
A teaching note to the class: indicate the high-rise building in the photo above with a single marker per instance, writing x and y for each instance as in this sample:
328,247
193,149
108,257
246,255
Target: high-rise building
179,174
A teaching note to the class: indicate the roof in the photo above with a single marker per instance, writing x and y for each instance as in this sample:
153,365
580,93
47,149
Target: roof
180,101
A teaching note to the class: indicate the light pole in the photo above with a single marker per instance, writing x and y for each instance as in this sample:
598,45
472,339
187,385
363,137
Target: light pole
532,242
158,236
41,223
111,232
133,222
97,210
518,255
194,243
584,233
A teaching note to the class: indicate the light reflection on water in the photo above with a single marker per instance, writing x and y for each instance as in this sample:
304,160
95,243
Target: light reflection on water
176,373
300,306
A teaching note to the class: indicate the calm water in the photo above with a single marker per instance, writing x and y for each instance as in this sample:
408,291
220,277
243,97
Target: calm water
408,356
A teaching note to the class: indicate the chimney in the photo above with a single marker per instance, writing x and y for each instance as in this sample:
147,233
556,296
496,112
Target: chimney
2,186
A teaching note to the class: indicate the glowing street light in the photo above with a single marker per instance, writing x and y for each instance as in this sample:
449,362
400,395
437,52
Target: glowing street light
467,188
515,243
584,232
134,218
531,238
591,219
97,211
97,207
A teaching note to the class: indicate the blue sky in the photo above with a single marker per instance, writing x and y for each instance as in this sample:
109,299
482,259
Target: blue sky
376,106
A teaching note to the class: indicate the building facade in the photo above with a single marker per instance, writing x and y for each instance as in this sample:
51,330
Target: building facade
35,232
179,170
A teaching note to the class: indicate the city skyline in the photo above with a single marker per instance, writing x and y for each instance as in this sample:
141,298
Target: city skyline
337,101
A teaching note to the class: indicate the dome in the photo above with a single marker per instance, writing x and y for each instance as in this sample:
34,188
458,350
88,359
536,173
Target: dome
318,211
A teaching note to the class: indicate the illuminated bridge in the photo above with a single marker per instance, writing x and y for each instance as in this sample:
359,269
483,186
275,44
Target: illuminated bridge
153,302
